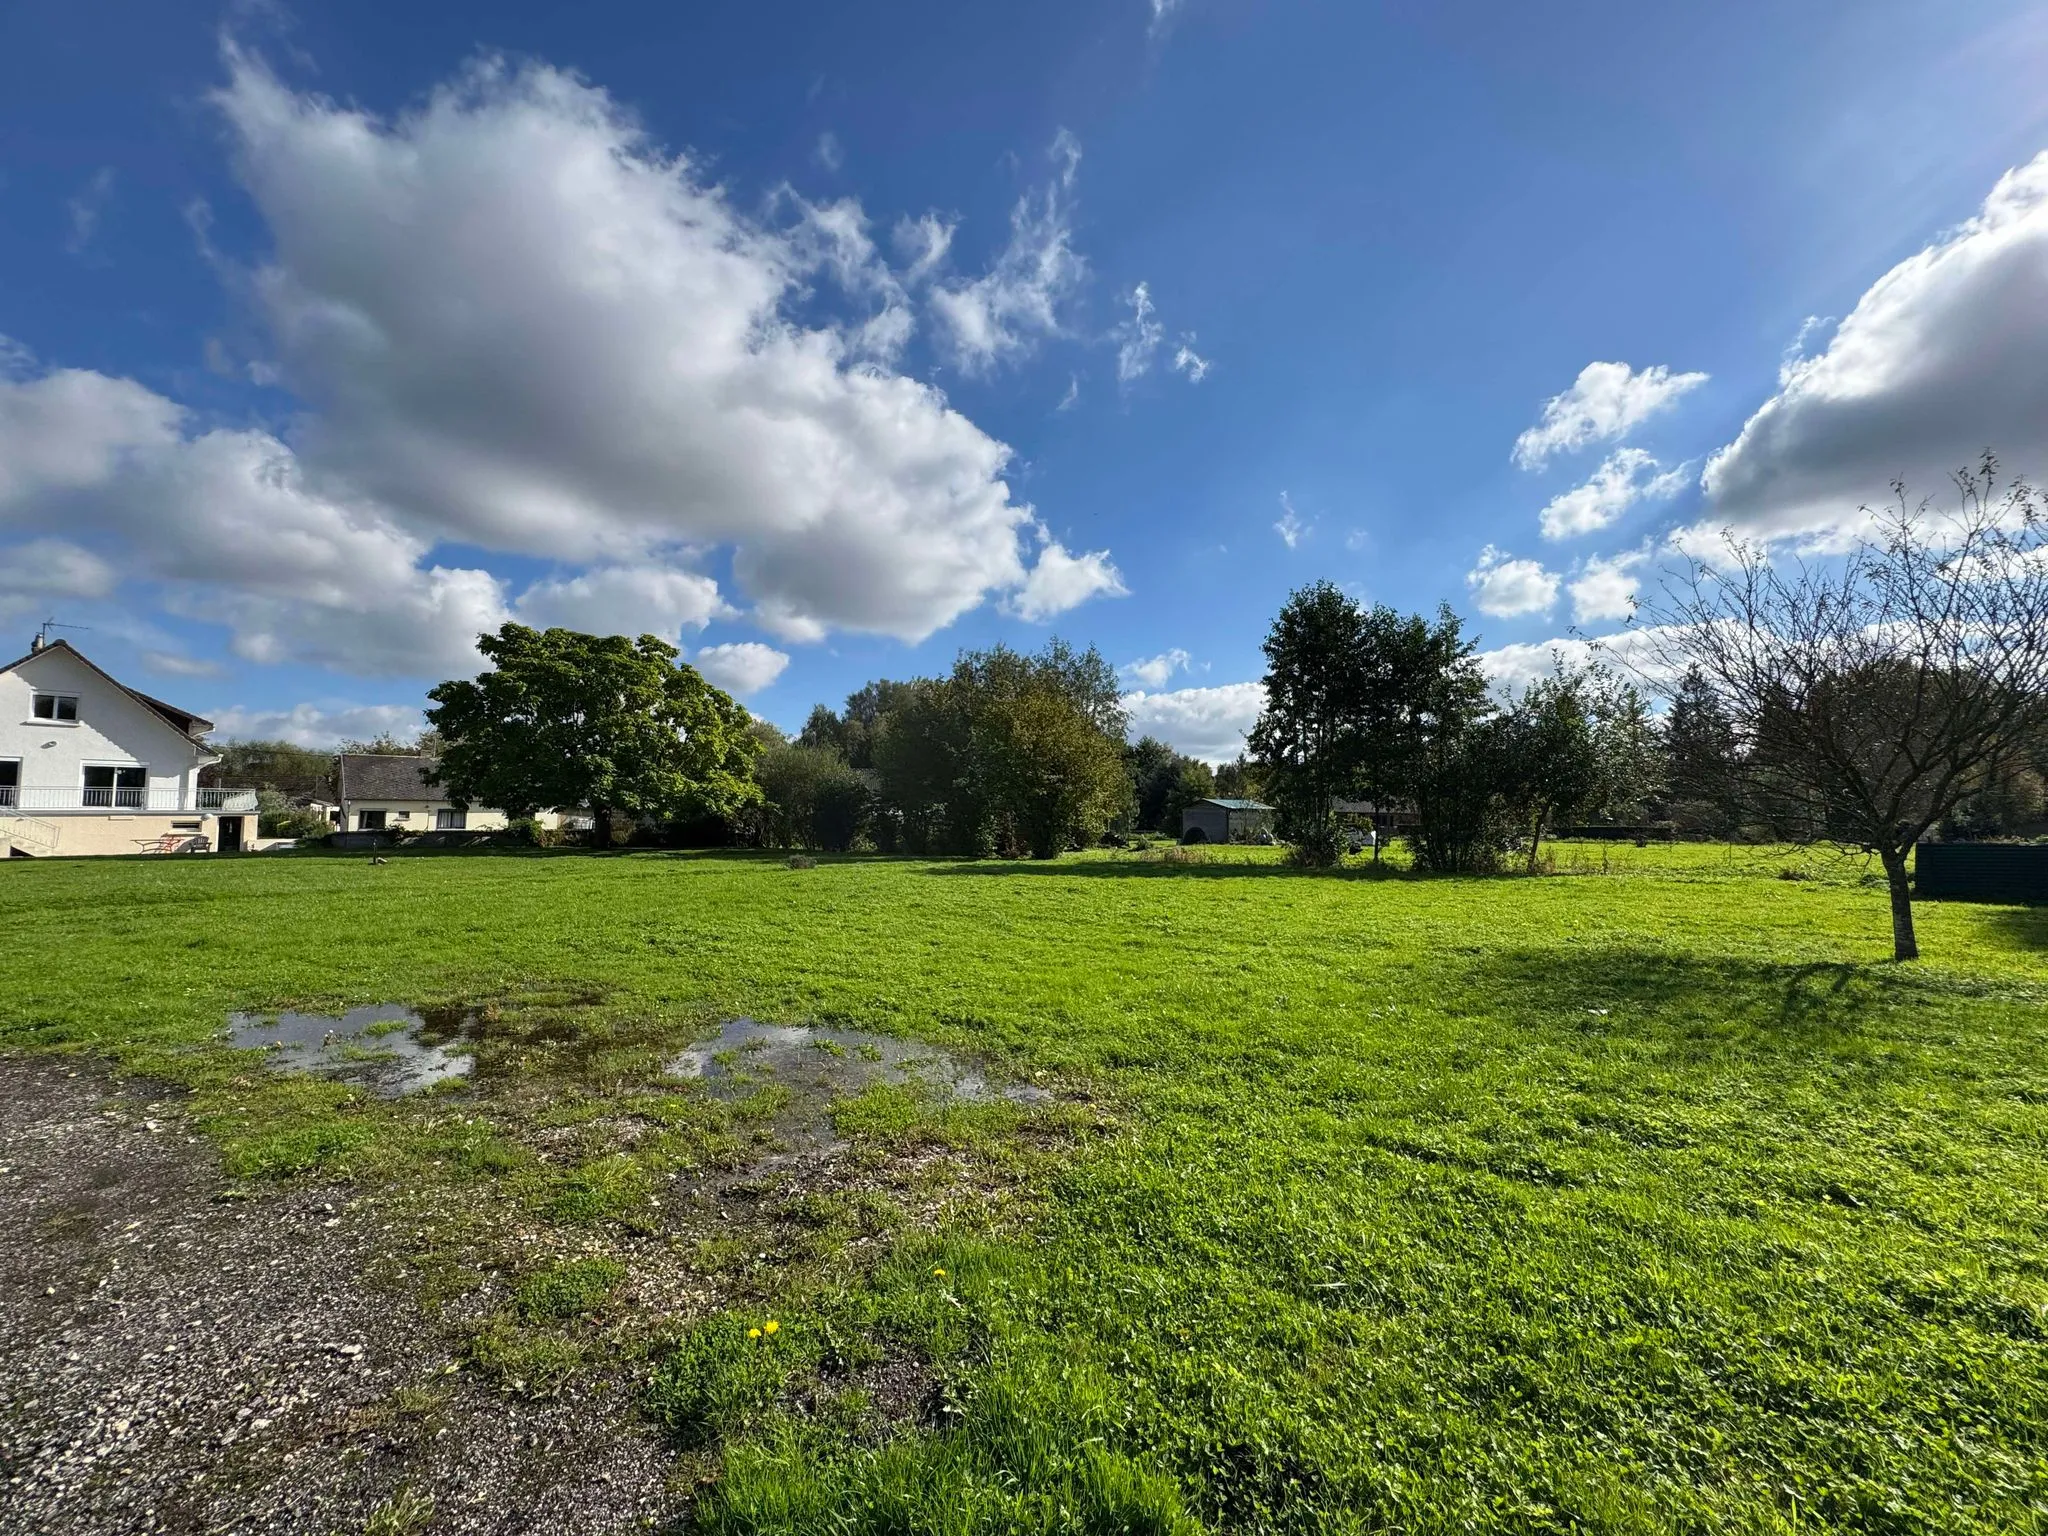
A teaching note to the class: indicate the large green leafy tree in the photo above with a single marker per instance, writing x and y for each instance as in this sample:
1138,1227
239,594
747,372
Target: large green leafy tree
1418,682
1307,737
1011,751
1548,760
1165,783
620,727
1358,703
814,799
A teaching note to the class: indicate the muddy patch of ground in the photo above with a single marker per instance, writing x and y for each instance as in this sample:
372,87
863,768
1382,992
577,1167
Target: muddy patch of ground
171,1361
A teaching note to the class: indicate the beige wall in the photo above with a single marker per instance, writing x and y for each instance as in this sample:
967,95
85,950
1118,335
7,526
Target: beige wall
76,835
420,815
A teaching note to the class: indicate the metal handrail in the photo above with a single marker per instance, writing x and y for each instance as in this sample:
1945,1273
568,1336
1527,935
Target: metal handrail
228,801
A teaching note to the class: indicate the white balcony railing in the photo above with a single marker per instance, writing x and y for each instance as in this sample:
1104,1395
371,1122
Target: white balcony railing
231,802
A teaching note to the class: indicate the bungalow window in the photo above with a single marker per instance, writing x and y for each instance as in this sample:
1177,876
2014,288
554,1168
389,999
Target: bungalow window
451,821
10,781
118,788
369,821
56,706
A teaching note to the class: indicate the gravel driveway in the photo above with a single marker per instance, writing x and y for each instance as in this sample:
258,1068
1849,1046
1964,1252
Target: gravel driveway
174,1361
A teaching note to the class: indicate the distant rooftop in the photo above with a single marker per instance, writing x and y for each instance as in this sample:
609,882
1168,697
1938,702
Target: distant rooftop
1238,805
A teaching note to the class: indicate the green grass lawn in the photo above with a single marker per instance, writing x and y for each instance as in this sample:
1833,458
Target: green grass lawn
1645,1197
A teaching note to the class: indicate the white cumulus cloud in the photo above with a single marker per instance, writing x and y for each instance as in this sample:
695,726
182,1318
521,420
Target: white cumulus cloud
226,523
625,600
1606,401
1940,359
741,668
1605,588
1061,580
54,568
1625,477
525,327
1157,671
1507,588
320,726
1208,723
1640,656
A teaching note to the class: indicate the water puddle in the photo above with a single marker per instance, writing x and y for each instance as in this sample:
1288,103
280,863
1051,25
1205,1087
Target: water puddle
816,1065
384,1049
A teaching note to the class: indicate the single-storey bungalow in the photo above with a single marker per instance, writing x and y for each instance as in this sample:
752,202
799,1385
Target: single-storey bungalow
390,792
1225,821
89,765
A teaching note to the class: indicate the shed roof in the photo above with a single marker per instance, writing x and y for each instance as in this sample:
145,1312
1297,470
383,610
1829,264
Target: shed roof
387,776
1238,805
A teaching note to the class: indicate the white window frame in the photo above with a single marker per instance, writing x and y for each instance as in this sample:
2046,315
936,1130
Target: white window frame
10,794
57,703
383,821
114,791
451,820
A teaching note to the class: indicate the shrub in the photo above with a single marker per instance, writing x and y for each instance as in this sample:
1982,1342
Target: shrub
1318,844
532,832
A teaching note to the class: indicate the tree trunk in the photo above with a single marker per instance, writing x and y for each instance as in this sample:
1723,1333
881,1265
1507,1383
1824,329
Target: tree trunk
1904,945
601,826
1535,841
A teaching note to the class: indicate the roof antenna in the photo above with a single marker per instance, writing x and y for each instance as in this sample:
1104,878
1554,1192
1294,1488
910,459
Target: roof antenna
43,634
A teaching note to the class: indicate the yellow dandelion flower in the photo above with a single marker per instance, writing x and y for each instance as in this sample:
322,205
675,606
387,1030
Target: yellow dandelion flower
770,1326
940,1273
753,1333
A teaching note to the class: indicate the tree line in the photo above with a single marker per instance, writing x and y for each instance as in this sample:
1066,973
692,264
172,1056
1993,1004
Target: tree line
1866,698
1367,705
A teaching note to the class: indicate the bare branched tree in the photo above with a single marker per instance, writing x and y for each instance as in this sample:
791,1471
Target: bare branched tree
1873,690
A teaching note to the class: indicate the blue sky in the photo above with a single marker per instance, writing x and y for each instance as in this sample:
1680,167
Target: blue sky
829,340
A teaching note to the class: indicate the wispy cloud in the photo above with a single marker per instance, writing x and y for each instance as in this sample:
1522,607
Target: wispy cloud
1002,313
1137,338
85,208
1290,527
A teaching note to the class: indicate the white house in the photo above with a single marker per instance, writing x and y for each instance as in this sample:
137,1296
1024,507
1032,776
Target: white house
91,766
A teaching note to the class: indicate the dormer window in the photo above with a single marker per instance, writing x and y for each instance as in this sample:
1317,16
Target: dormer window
56,706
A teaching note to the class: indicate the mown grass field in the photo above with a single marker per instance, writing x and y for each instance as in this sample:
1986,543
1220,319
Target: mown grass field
1650,1197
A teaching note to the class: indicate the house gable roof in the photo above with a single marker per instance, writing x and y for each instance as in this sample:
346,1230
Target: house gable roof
387,776
183,721
1238,805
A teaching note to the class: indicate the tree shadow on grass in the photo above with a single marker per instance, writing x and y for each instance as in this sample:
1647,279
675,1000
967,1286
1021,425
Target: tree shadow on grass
1699,1005
2021,927
1160,869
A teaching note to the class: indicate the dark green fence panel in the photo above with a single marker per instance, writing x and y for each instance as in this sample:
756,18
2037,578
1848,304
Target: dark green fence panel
2009,872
